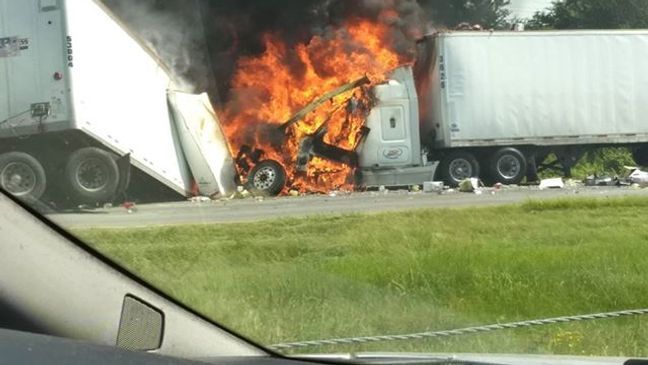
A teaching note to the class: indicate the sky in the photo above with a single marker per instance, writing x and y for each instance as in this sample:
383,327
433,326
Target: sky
526,8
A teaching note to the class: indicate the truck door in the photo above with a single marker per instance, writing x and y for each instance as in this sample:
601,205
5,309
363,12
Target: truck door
393,133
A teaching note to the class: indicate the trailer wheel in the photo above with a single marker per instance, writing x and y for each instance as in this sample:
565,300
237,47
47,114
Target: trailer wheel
267,178
508,166
640,155
92,175
22,176
458,166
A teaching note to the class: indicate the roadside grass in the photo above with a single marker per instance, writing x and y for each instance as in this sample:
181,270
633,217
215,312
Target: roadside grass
389,273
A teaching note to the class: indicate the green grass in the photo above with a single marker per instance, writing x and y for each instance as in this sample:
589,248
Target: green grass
433,269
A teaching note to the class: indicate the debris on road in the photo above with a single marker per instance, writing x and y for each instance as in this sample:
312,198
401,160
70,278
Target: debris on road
469,185
241,193
130,207
594,180
555,183
199,199
637,176
433,186
571,183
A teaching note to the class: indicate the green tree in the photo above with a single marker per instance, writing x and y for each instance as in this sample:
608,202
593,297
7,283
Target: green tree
592,14
487,13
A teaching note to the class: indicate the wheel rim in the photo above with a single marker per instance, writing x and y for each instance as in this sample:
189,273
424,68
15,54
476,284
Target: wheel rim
19,178
92,175
460,169
509,167
264,178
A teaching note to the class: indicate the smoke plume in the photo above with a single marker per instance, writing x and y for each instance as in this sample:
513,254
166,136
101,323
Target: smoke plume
202,41
173,30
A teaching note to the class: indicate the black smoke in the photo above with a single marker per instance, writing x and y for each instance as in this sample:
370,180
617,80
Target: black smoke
236,28
202,40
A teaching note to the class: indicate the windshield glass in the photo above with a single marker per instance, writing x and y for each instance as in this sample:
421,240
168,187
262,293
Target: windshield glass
330,176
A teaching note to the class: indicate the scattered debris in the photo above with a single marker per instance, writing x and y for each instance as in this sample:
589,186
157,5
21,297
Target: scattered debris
433,186
571,183
638,176
241,193
129,206
293,192
469,185
555,183
199,199
594,180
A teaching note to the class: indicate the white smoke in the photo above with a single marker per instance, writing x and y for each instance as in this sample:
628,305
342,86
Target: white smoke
174,34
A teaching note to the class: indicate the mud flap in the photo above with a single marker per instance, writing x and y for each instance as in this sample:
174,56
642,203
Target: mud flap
124,166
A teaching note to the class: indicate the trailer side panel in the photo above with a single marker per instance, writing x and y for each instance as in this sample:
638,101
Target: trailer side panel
119,94
542,88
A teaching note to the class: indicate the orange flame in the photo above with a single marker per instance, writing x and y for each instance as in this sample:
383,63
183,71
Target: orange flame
269,89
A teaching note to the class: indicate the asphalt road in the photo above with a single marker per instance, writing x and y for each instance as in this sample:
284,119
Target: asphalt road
251,209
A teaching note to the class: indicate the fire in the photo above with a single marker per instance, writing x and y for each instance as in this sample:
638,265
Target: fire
269,89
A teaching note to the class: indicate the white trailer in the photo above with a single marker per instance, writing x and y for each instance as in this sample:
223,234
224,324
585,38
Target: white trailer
81,96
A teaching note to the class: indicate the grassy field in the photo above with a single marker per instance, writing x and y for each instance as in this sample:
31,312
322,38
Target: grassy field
354,275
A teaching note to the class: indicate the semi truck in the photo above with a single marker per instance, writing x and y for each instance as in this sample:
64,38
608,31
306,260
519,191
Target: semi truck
85,105
495,105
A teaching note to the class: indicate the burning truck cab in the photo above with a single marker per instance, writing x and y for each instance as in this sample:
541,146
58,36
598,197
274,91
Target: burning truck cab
387,150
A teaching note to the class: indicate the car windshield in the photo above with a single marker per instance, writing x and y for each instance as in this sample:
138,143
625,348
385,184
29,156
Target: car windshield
330,176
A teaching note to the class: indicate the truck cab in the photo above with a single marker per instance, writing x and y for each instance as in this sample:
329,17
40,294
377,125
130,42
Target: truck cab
391,154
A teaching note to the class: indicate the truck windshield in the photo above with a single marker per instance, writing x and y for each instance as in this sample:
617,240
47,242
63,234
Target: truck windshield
330,176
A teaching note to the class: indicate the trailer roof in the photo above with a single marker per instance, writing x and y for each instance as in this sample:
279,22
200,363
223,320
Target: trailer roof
527,33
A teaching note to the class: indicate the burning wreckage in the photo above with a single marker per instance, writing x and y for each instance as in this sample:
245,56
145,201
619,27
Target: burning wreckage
270,177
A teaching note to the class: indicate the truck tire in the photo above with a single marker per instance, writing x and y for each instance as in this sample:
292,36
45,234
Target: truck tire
458,166
92,175
640,156
267,178
508,166
22,176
